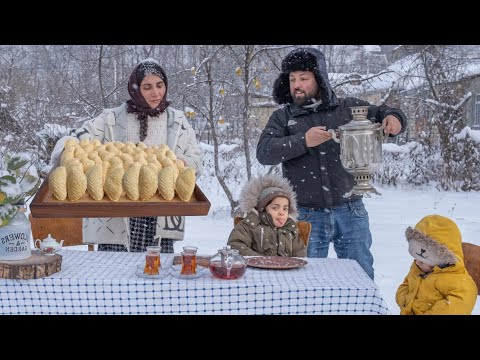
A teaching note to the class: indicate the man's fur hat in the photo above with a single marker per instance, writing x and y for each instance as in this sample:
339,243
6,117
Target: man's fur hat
306,59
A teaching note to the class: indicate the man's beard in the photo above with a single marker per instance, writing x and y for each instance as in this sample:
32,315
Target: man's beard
304,100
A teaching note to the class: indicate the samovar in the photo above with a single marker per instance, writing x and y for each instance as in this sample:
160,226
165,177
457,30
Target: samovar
360,149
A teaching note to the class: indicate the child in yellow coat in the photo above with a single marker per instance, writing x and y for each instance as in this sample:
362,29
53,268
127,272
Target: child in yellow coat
438,282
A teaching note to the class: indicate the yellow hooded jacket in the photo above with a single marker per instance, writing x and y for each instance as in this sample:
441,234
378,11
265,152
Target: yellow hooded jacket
448,288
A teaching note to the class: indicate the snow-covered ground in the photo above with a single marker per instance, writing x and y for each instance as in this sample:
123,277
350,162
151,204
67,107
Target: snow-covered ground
390,214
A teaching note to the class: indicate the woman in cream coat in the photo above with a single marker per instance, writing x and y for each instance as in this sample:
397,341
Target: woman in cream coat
145,117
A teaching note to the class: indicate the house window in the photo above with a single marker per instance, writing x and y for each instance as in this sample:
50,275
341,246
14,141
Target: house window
476,120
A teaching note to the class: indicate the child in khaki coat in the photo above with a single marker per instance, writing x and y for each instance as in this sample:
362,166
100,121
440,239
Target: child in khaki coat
438,282
269,228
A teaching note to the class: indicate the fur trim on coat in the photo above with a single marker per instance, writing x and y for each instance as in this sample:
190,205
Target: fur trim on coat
250,192
422,247
436,241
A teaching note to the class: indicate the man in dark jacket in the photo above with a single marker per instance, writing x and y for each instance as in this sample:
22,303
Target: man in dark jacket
296,136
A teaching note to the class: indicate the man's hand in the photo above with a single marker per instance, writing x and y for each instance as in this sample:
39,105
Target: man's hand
317,135
392,125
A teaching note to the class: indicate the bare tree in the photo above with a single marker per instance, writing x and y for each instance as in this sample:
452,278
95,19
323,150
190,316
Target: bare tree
247,58
209,107
439,100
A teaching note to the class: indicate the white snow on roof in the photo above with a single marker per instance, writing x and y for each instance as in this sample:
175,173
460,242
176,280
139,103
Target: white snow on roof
474,134
404,74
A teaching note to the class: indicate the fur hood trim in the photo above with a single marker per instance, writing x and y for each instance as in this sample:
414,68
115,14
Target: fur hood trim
424,248
249,195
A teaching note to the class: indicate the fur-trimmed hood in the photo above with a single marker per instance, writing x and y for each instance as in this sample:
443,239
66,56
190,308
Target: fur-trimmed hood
436,241
249,195
308,59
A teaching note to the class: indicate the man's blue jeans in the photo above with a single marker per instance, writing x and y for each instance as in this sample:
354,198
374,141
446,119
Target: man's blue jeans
346,225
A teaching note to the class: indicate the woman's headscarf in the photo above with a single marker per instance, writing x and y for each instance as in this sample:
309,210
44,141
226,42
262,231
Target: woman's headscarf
137,104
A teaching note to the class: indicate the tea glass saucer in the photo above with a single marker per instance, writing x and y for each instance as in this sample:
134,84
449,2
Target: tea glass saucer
161,273
176,269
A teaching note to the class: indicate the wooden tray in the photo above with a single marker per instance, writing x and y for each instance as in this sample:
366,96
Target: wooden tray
44,205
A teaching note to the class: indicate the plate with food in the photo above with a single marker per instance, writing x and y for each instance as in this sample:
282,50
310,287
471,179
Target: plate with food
276,262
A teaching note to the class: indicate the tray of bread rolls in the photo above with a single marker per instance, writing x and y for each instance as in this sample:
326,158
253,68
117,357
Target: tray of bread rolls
119,180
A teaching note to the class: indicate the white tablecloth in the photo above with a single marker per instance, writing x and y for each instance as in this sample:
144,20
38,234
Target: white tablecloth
106,283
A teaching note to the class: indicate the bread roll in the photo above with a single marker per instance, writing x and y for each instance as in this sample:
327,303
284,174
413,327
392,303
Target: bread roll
105,168
73,163
166,162
70,143
87,164
130,181
87,147
130,144
166,182
113,183
149,151
185,184
96,144
128,150
79,151
115,161
84,142
160,153
147,182
180,164
76,184
95,182
171,155
57,182
67,154
119,144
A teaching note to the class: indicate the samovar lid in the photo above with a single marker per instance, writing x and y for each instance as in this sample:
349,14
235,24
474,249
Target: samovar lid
360,120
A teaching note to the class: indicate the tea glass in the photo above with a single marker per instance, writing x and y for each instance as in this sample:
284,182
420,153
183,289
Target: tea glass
152,260
189,260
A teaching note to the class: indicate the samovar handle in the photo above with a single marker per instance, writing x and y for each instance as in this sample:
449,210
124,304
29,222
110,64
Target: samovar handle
334,135
381,128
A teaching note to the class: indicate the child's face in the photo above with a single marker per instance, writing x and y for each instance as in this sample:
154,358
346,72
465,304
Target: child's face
424,267
278,208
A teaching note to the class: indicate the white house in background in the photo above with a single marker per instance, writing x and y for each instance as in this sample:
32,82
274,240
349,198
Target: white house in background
473,104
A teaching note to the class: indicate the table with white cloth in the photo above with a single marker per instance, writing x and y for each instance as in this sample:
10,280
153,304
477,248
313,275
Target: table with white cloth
96,282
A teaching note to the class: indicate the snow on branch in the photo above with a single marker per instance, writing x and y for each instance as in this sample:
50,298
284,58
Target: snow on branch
355,77
454,107
264,104
387,94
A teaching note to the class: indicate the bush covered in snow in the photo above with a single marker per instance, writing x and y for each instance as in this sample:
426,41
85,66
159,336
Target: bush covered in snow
416,164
